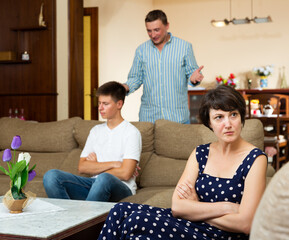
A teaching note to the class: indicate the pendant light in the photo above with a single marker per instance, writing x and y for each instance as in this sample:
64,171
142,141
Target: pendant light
247,20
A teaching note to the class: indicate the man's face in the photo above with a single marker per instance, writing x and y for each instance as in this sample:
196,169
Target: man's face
157,31
108,108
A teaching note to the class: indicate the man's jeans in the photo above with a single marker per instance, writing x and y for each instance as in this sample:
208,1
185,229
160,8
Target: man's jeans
64,185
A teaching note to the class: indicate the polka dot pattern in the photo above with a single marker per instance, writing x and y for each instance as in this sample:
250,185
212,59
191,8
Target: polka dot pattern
144,222
214,189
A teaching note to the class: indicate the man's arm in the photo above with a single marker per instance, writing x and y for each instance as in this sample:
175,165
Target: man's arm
193,72
197,76
135,76
90,165
125,171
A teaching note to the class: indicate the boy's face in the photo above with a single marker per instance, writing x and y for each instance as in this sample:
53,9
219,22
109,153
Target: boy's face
108,108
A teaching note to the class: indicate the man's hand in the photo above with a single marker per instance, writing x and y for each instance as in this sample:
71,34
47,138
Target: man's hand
92,157
136,173
126,87
197,76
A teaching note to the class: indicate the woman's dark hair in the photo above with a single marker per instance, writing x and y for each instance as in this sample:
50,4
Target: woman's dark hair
224,98
114,89
155,15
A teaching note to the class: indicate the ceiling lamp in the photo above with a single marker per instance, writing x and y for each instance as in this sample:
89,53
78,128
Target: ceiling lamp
225,22
262,20
220,23
241,21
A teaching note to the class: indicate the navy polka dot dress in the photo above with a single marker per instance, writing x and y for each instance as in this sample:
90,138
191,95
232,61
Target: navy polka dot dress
144,222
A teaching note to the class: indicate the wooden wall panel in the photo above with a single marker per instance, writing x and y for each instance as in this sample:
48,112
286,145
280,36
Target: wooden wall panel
32,105
76,86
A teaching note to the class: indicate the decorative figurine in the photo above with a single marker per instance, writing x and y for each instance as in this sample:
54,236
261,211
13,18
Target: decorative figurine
41,22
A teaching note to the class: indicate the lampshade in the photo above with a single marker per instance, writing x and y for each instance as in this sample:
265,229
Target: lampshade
262,20
220,23
225,22
241,21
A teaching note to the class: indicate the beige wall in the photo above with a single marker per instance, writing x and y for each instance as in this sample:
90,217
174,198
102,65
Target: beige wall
233,49
62,58
121,30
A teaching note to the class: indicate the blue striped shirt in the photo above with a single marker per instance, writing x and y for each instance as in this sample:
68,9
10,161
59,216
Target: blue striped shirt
165,77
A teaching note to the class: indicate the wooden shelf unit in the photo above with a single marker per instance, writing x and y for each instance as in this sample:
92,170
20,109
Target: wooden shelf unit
195,96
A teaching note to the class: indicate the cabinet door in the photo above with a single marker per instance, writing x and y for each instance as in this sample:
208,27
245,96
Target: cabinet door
194,104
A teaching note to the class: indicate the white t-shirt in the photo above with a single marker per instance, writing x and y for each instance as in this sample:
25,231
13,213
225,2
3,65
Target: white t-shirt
121,142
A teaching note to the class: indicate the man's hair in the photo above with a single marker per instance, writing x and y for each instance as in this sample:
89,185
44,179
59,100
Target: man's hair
155,15
113,89
225,98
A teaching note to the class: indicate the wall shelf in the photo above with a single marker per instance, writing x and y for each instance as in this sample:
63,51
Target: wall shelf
34,28
14,62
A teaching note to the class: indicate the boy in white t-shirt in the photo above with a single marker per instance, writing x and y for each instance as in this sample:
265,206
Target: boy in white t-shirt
110,155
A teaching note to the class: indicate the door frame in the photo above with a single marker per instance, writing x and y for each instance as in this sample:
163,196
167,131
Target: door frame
75,76
93,13
75,59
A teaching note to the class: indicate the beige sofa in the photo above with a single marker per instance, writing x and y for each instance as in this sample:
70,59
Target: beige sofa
166,147
271,221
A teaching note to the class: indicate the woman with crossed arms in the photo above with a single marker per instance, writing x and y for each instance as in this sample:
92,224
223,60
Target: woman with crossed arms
218,192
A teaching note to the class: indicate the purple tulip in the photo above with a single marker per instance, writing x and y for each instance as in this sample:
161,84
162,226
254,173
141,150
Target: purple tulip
16,142
7,156
31,175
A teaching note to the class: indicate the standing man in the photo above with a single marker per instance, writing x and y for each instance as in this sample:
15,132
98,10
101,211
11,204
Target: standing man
164,65
110,155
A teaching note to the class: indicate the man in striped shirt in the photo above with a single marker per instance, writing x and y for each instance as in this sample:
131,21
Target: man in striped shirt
164,65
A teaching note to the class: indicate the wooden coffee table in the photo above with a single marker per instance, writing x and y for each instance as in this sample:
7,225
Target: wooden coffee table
73,220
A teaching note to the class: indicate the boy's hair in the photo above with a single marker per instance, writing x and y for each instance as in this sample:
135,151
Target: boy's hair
225,98
114,89
155,15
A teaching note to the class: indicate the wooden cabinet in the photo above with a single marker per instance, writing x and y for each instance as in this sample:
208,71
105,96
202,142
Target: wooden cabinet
30,85
195,96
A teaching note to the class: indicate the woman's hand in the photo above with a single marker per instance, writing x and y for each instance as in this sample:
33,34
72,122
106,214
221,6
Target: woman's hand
185,191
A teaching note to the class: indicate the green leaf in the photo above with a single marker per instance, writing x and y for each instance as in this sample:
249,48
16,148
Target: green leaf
17,195
14,192
9,169
32,168
17,168
4,170
24,177
17,182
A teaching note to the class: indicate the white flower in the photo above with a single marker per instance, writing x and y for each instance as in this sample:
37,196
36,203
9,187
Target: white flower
24,156
263,71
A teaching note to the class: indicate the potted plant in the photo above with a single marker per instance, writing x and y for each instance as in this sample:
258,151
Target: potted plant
19,173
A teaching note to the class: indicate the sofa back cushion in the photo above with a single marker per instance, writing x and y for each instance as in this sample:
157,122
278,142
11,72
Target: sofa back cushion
271,218
177,140
174,142
39,137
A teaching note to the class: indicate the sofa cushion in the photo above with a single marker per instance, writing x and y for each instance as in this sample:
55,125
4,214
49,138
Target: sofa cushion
271,218
188,136
154,196
183,141
70,163
39,137
147,133
253,132
162,171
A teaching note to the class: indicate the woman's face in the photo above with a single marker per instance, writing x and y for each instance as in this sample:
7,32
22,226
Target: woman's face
226,125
